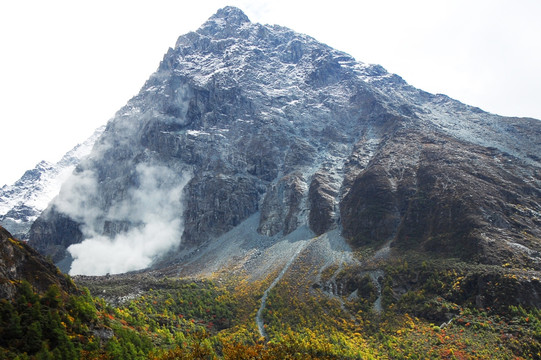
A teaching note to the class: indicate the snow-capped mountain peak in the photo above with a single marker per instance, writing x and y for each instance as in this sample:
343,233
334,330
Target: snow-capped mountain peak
249,121
23,201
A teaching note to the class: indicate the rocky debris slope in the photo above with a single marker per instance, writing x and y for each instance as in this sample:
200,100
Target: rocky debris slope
270,123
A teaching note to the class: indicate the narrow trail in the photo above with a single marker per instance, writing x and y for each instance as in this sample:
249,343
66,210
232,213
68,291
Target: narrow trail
375,275
259,316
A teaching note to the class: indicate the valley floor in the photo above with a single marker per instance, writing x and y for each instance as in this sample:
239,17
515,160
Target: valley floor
306,298
322,300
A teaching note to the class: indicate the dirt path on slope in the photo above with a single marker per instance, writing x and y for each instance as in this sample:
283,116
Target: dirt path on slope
259,317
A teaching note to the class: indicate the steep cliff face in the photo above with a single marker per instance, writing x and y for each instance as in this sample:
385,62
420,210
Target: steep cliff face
244,120
432,192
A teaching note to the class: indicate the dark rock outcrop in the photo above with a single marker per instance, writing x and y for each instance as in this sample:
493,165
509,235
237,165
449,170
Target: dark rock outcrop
19,262
54,237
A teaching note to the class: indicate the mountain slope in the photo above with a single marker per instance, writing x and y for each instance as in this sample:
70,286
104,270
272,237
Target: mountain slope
257,126
19,262
282,200
22,202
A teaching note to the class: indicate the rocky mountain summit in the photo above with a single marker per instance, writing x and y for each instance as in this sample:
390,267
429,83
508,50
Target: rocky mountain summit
22,202
251,137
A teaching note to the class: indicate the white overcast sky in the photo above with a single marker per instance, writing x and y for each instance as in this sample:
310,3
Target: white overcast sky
67,66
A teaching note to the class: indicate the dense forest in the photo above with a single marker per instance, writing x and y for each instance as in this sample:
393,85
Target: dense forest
439,316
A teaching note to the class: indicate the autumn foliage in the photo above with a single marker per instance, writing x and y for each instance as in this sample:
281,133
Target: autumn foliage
436,317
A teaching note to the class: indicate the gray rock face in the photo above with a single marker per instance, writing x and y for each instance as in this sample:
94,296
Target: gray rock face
227,200
281,210
322,195
262,119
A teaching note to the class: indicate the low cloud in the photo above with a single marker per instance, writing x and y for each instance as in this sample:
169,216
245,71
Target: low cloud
133,250
153,209
79,199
